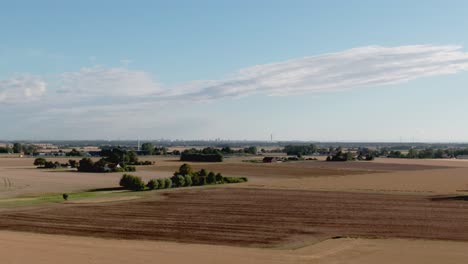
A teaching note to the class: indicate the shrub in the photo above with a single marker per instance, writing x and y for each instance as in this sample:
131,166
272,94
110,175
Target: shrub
153,184
211,178
234,179
161,183
219,178
49,165
72,163
168,183
201,181
39,162
131,182
86,165
130,168
178,180
188,180
202,173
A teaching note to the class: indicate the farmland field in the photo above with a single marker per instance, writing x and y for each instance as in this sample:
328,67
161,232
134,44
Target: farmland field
292,210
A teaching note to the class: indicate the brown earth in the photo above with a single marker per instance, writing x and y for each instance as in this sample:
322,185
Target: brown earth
20,248
252,217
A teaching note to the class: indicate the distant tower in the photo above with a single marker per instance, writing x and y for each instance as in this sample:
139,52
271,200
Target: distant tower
271,137
138,145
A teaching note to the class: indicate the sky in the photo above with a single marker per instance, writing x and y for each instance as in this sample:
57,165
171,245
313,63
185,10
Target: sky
239,70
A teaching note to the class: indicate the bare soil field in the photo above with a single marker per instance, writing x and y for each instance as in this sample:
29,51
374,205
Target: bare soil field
46,249
252,217
19,178
283,206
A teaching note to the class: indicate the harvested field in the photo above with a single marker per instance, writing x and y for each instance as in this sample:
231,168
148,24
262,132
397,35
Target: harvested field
263,170
79,250
252,217
365,165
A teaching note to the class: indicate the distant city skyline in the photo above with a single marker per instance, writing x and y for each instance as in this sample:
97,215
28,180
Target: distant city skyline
328,71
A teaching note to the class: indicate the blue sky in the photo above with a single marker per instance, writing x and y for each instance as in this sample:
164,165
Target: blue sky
305,70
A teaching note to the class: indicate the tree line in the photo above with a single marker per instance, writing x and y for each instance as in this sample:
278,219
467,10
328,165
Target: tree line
184,177
113,160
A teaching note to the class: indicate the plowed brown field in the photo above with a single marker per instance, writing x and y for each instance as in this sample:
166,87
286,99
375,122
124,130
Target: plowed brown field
251,217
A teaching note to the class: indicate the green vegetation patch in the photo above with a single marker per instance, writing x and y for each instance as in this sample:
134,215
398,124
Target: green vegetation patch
59,197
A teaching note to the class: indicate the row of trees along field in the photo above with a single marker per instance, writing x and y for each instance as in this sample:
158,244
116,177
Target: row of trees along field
413,153
210,154
113,160
27,149
204,155
43,163
184,177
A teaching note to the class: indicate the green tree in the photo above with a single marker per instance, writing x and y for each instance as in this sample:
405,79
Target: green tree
412,153
153,184
188,180
251,150
168,183
162,184
179,180
86,165
185,169
40,162
219,178
148,147
202,173
211,178
72,163
132,157
17,148
74,153
131,182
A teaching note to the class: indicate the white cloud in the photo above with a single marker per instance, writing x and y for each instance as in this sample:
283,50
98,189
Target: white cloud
100,81
371,66
354,68
21,89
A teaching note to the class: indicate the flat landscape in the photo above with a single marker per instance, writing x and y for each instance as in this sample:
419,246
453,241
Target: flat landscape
253,217
296,212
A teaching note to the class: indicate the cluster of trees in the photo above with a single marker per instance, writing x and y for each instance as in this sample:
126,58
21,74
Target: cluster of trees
6,149
426,153
429,153
114,160
122,157
131,182
103,165
341,156
248,150
204,155
74,153
184,177
150,149
44,164
27,149
300,150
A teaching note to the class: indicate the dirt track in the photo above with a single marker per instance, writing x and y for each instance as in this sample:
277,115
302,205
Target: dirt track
252,217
